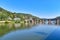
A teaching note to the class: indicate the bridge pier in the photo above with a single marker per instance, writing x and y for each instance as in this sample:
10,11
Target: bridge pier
49,21
26,21
42,22
31,21
57,21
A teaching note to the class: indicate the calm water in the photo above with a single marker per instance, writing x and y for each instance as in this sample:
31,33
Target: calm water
32,32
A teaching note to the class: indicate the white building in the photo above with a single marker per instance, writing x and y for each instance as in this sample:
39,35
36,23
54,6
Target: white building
17,18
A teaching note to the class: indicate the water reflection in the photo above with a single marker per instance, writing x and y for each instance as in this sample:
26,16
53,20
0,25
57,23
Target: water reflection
6,28
26,31
17,25
38,32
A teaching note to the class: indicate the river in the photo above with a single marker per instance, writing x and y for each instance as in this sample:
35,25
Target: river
35,32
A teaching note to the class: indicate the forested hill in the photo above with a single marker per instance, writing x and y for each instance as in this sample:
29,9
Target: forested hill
4,15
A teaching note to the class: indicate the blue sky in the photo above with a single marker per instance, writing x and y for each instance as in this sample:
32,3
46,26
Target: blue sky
40,8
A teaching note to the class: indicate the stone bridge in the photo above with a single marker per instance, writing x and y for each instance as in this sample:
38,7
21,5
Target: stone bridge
55,21
50,21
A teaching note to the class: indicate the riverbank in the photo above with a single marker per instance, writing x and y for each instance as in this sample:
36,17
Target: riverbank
11,22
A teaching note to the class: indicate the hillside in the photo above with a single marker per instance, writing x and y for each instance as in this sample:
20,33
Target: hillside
5,15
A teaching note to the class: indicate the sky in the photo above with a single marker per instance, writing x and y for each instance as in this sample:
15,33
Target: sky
39,8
